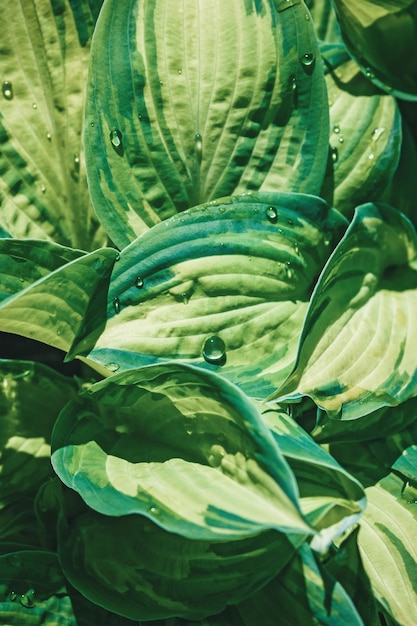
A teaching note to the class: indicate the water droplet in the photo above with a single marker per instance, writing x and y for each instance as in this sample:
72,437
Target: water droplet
116,138
117,257
214,350
371,156
272,214
7,90
116,305
113,367
293,82
288,269
198,141
13,596
153,510
336,128
334,155
43,188
179,71
28,599
307,17
290,222
189,426
92,124
139,282
296,248
369,73
308,60
49,136
161,82
377,132
341,139
34,105
77,162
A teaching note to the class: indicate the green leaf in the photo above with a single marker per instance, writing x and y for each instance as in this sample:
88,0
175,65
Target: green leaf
147,439
381,37
330,498
347,567
357,346
365,135
43,190
199,103
31,396
24,261
303,594
325,21
240,269
406,464
53,308
388,549
32,590
134,568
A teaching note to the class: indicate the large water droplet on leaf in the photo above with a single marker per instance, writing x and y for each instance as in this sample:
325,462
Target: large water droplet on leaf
214,350
139,282
308,61
272,214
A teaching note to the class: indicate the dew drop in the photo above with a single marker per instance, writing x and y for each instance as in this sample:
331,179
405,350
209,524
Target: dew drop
77,162
139,282
341,139
198,142
153,510
296,248
307,60
189,426
43,188
377,132
214,350
49,136
116,138
179,71
92,124
113,367
336,128
7,90
13,596
28,599
272,214
371,156
307,17
34,105
369,73
288,269
293,82
334,155
116,305
290,222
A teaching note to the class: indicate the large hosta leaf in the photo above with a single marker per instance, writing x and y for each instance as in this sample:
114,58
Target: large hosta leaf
32,590
357,347
381,36
44,58
388,548
365,135
148,439
240,270
194,101
54,307
132,567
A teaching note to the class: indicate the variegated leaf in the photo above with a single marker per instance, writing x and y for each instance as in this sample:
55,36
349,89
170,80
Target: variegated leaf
192,101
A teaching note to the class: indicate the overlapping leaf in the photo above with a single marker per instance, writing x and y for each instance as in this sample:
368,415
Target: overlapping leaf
357,347
44,58
132,567
381,37
386,540
53,308
196,101
32,590
330,497
151,438
365,135
240,269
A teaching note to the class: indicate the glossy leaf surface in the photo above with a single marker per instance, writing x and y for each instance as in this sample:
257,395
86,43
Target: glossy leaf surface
200,101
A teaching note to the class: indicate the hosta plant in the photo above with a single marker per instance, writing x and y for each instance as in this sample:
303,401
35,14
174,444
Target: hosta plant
208,305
